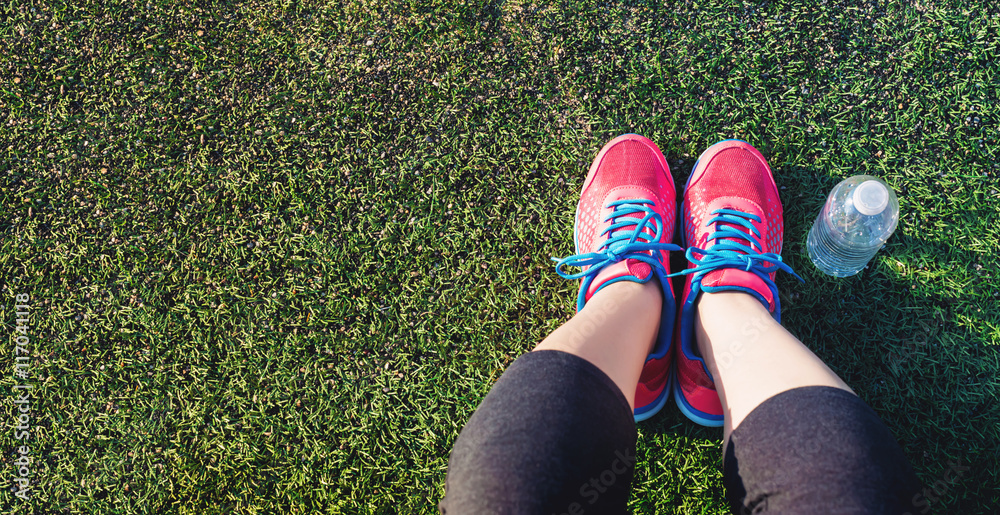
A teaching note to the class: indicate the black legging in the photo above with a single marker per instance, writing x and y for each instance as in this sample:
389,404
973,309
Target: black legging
556,436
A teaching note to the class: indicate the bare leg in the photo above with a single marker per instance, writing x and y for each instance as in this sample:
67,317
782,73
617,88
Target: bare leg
751,357
615,332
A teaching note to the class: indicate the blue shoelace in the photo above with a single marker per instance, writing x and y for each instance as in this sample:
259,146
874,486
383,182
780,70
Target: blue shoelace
730,253
621,244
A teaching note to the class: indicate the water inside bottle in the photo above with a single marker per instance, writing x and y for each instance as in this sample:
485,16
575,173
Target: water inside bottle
859,216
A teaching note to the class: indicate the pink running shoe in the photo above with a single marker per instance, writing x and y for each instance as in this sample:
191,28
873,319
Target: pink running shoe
623,232
733,228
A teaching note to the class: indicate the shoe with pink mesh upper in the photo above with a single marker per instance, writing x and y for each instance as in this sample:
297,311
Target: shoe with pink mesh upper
733,226
623,232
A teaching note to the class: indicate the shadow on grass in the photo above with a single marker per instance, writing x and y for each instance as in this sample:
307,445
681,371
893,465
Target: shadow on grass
907,347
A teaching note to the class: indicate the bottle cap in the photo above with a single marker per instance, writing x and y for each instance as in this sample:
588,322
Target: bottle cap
870,197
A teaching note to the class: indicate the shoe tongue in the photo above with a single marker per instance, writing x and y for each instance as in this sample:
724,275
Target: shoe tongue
744,206
734,279
627,193
635,270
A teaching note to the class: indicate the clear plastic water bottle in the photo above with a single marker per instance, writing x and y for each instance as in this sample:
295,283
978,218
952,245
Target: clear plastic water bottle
859,216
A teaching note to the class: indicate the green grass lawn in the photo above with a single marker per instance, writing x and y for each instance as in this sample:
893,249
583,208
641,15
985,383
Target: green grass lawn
277,252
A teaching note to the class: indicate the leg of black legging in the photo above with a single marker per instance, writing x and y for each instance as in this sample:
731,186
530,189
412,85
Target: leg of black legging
817,450
553,436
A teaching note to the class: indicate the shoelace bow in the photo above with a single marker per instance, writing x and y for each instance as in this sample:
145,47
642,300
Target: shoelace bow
622,244
728,252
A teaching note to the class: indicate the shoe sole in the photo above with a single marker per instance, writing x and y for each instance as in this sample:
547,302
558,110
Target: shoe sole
693,414
661,401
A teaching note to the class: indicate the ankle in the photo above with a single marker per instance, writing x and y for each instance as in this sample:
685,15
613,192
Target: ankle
728,303
726,320
648,293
